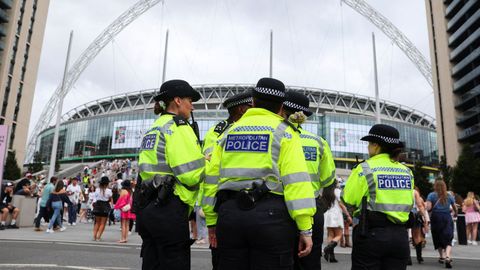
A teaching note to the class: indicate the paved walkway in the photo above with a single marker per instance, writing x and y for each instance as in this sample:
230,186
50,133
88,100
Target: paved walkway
82,234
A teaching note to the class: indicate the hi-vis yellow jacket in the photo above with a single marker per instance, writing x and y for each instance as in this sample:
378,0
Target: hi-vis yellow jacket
212,135
170,147
387,184
318,156
261,146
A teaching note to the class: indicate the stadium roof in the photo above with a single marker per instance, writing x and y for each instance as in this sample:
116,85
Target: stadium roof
213,95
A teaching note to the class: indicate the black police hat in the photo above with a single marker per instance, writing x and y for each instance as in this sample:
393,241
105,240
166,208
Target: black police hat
295,102
176,88
384,135
238,99
269,89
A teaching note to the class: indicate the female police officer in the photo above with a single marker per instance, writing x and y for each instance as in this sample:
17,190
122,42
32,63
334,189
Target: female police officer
171,166
382,188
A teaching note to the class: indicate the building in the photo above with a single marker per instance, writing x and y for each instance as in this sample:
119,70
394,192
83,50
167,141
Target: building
454,34
22,26
113,127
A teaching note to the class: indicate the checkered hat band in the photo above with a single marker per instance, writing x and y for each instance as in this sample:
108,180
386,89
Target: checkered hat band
295,106
239,102
386,139
269,91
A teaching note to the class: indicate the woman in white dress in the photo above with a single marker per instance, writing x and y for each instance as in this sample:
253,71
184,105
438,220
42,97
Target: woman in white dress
333,220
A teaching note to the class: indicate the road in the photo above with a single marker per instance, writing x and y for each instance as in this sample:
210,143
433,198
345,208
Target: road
57,255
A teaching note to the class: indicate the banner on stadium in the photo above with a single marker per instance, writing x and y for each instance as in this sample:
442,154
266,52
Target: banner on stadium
129,134
3,148
346,137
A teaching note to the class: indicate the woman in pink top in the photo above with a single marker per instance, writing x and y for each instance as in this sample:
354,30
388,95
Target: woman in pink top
124,204
472,217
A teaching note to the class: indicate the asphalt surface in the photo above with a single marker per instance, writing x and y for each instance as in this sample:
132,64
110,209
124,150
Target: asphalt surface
83,256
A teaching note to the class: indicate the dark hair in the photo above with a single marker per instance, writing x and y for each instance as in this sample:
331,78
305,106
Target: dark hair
328,195
53,179
157,109
272,106
59,186
393,151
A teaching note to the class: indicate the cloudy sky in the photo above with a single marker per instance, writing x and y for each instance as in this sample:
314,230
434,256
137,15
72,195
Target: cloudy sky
316,43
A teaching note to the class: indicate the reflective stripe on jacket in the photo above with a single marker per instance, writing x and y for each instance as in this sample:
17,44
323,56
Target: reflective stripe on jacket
388,186
168,148
261,147
319,158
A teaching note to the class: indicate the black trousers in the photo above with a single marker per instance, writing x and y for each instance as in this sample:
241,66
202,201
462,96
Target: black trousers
382,248
42,213
312,261
166,236
261,238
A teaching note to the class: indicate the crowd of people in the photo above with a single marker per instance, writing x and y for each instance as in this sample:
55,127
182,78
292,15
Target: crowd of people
95,195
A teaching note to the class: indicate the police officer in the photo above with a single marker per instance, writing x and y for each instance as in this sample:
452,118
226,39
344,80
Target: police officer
264,196
321,168
171,167
236,105
382,188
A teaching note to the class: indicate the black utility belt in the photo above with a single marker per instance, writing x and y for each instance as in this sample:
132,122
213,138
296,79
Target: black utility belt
246,199
380,220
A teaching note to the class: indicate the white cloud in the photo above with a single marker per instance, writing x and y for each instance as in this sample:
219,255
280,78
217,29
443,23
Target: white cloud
227,41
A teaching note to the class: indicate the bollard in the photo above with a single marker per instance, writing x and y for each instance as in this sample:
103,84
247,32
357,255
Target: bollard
461,230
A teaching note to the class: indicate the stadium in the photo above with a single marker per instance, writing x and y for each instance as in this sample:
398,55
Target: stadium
112,127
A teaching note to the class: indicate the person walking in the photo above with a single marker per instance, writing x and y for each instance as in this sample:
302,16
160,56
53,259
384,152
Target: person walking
56,200
264,195
381,191
101,207
321,169
43,212
439,202
73,192
124,204
471,209
420,226
171,166
333,220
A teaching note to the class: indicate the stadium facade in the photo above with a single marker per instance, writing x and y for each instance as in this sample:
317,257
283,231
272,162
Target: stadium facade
112,127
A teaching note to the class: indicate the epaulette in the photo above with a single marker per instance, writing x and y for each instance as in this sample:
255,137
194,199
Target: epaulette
180,121
292,126
221,127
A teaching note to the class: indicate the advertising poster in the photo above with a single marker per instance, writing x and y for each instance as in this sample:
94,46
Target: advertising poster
128,134
346,137
3,148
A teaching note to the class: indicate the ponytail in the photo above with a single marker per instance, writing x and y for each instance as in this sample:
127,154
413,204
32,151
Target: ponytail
161,106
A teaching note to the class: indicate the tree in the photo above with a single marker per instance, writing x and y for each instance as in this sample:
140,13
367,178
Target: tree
37,164
421,179
446,171
466,173
12,171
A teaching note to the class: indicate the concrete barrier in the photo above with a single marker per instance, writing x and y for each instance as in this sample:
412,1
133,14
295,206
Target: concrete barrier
27,206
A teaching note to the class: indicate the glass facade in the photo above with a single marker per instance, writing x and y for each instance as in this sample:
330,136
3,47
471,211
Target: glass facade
119,135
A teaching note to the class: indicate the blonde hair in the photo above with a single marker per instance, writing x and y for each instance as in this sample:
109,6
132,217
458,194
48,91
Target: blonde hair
470,199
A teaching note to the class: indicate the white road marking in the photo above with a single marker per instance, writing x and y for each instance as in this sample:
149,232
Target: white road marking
17,266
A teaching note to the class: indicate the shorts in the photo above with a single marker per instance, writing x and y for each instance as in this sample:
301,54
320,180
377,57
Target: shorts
9,210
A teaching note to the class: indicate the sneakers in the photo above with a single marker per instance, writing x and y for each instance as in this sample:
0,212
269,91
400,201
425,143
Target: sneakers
49,231
74,224
38,229
2,227
63,229
469,242
474,243
14,226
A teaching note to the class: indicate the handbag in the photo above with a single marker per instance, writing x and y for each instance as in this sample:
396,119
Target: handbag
126,207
